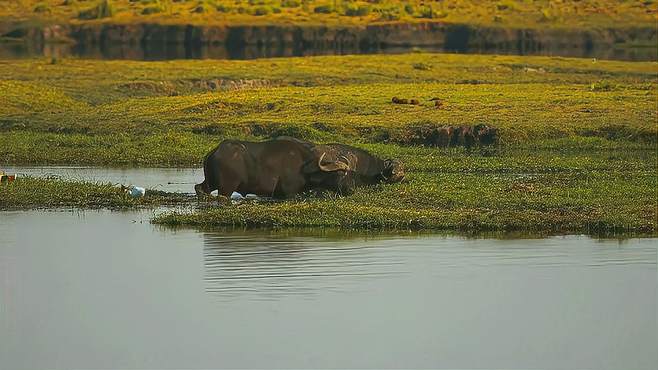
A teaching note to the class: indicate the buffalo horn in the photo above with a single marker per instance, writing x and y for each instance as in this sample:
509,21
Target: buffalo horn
333,166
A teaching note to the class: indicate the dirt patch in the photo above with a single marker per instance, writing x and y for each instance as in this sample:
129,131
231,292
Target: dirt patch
214,105
150,87
272,130
621,132
221,84
209,130
444,136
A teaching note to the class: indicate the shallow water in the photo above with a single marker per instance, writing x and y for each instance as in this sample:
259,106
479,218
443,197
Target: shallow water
100,289
180,180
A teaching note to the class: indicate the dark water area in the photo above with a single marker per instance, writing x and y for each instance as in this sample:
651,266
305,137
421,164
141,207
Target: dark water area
101,289
173,51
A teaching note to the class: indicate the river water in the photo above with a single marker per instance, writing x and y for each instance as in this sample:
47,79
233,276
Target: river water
179,180
180,51
102,289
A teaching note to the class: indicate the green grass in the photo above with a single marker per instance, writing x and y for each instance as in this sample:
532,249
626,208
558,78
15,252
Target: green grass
576,151
170,113
604,190
44,193
510,13
590,193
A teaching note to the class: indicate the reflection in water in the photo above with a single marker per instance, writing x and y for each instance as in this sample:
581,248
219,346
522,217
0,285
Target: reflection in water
180,180
101,289
198,51
270,266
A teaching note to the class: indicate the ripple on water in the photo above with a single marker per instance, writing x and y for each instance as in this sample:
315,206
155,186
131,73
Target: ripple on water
270,267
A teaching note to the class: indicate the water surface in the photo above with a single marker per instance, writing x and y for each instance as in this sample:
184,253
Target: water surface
100,289
180,180
246,52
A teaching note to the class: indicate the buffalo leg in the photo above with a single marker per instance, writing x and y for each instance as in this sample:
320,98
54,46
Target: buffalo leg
201,189
290,186
228,182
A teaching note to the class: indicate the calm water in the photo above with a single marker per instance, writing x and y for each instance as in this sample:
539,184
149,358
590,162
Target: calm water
180,180
180,51
109,290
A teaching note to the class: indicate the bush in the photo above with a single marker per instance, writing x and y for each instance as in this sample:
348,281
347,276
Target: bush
152,9
425,12
323,9
390,14
421,66
260,10
429,12
409,9
42,8
223,8
201,8
356,10
104,9
602,86
291,3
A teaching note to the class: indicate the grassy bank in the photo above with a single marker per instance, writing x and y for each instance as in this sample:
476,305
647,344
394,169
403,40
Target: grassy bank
43,193
586,191
171,113
579,192
576,149
511,13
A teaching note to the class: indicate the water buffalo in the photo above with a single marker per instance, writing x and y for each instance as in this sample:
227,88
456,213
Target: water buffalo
287,166
276,168
358,166
365,168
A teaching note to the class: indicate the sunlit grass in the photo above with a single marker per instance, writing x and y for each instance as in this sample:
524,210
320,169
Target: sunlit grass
576,149
169,113
48,193
514,13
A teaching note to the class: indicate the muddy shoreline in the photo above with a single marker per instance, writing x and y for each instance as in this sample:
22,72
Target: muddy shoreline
157,41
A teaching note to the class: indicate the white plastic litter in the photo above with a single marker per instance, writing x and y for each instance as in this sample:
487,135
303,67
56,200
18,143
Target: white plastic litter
136,191
237,197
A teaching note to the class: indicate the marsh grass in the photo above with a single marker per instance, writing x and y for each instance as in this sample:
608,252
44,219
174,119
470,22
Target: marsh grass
588,191
558,202
163,113
48,193
576,150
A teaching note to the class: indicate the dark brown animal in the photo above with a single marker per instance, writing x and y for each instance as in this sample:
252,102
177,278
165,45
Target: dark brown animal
464,136
485,135
443,136
365,168
360,167
275,168
286,166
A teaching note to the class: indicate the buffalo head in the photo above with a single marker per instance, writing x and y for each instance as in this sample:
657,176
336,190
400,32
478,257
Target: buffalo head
393,171
337,174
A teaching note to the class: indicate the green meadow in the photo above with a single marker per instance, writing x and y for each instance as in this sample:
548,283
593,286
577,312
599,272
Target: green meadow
576,148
